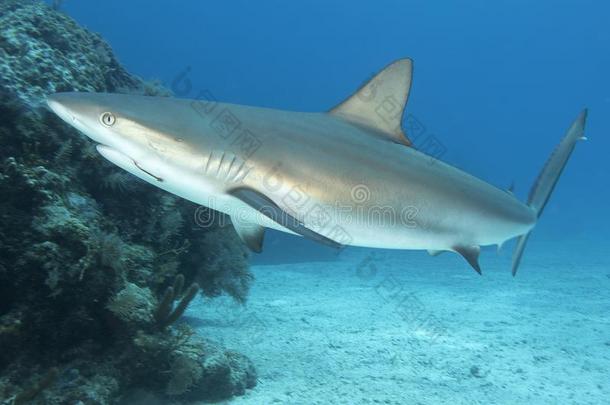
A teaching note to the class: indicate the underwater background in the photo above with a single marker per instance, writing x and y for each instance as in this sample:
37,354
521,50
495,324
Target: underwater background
96,272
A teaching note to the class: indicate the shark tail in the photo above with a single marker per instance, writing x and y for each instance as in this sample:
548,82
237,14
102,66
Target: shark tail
547,179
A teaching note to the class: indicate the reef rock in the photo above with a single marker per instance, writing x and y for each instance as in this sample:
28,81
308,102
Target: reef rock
88,253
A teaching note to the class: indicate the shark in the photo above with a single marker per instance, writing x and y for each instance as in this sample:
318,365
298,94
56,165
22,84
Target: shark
347,176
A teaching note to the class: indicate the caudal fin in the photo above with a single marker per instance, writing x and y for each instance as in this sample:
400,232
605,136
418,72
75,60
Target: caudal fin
547,179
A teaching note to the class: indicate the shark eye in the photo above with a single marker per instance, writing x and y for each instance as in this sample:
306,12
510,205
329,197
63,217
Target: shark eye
107,119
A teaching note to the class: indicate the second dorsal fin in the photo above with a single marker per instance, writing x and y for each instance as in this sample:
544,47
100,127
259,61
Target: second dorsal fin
380,103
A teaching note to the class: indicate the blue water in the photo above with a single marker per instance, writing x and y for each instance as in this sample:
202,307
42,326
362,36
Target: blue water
497,83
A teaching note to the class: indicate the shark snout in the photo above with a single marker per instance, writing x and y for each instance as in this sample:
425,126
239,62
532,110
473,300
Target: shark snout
73,108
60,103
80,110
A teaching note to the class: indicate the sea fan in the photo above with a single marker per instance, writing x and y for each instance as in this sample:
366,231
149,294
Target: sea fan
64,153
110,250
133,304
170,225
119,182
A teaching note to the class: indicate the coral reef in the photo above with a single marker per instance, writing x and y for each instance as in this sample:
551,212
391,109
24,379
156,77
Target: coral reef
93,262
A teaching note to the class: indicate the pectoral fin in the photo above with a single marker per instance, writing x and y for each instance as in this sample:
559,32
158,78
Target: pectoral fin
267,207
251,234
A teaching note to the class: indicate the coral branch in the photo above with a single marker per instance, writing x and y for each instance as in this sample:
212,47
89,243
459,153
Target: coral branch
178,285
182,305
165,306
166,314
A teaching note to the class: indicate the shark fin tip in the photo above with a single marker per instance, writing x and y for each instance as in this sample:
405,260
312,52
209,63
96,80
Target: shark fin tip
471,254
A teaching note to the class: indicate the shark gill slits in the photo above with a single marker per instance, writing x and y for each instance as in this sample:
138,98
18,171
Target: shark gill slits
231,165
107,119
207,163
225,166
222,159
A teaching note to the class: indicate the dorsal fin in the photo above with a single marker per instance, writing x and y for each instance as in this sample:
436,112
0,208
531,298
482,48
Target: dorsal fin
380,103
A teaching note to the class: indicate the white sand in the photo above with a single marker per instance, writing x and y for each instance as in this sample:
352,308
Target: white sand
421,330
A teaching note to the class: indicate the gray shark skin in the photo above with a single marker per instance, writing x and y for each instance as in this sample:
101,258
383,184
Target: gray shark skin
349,176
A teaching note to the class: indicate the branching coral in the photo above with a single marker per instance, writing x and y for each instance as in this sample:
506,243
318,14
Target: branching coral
222,265
166,313
119,182
110,248
166,223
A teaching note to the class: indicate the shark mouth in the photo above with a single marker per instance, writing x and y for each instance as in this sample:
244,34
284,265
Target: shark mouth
127,163
159,179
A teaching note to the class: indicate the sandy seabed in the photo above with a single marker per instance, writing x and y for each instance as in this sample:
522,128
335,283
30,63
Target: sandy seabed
379,327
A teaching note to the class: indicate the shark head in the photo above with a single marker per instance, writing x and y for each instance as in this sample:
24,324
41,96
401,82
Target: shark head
130,131
84,112
116,121
161,140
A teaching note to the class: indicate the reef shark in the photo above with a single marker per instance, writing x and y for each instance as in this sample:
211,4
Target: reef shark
347,176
